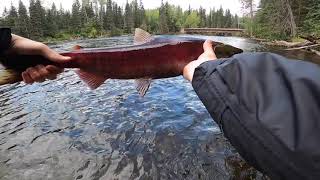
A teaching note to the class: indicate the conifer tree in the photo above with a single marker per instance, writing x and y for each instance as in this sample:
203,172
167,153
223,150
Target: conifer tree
128,19
228,19
121,18
12,18
101,15
84,15
37,20
163,24
108,18
76,16
142,14
220,18
90,11
51,26
23,20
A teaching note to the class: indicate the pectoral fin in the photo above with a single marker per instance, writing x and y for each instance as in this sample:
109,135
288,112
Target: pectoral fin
92,80
143,85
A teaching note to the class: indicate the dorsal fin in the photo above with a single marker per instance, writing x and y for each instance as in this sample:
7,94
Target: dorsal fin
141,36
77,47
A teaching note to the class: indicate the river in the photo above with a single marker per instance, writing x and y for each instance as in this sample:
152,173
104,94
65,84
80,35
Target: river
62,130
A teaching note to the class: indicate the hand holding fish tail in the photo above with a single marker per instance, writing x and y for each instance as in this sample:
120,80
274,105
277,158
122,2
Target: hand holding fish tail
207,55
39,73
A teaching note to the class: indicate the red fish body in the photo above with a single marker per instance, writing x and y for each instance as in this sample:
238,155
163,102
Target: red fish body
154,61
150,58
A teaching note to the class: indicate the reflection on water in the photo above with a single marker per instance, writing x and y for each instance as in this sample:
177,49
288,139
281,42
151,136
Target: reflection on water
62,130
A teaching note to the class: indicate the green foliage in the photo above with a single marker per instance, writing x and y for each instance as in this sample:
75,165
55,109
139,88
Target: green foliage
128,18
108,18
37,19
271,20
93,18
51,26
89,30
60,36
152,19
115,32
23,22
192,21
76,17
312,20
163,22
11,19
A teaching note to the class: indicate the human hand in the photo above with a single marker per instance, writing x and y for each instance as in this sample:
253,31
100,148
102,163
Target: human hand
207,55
40,73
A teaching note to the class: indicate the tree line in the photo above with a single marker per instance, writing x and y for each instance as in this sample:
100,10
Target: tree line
92,18
284,19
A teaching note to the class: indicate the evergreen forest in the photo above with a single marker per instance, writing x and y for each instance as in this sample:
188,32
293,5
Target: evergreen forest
93,18
270,19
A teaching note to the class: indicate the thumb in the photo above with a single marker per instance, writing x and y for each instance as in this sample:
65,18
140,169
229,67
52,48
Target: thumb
207,47
54,56
208,53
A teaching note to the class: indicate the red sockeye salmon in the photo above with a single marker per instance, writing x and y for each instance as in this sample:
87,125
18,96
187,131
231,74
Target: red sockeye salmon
149,58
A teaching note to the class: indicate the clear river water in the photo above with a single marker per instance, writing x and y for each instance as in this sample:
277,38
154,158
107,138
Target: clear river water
60,129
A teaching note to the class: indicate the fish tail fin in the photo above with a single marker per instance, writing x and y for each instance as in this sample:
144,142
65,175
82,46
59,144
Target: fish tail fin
91,79
9,76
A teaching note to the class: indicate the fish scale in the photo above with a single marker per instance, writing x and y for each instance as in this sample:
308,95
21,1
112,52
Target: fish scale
149,58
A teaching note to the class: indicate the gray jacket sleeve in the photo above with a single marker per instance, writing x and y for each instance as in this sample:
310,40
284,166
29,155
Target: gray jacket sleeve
269,109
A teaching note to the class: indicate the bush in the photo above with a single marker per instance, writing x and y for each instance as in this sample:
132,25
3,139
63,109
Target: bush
116,32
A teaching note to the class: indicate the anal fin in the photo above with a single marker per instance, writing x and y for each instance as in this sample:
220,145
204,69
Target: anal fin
92,80
143,85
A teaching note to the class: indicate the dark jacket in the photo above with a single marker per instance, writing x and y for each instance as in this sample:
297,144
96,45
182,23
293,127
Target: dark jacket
269,109
5,39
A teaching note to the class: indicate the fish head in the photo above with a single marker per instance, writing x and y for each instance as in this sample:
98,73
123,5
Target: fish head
225,51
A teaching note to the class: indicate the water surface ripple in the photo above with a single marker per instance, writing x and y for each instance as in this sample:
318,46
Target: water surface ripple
62,130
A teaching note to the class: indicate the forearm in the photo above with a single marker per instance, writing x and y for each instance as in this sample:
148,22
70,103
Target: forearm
266,106
21,45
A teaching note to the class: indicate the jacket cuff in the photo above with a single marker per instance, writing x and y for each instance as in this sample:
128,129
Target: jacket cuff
206,84
205,69
5,39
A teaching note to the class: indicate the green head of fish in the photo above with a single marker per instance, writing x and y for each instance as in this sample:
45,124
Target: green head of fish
226,51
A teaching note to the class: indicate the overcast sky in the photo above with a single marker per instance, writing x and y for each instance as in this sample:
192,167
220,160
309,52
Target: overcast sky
233,5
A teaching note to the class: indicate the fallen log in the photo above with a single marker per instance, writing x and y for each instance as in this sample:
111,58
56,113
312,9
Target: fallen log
315,51
295,44
288,44
303,47
259,39
311,38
